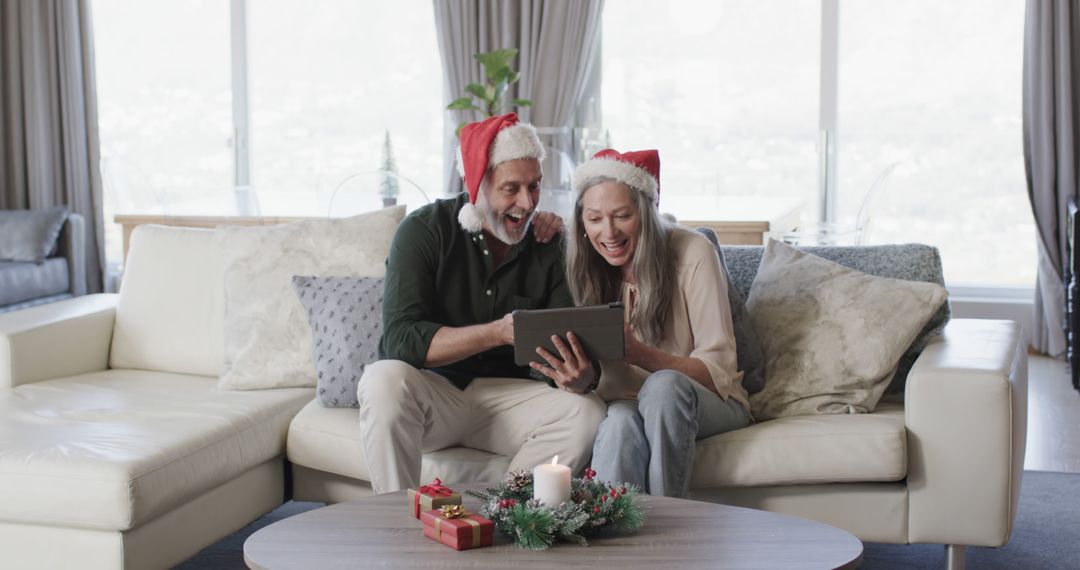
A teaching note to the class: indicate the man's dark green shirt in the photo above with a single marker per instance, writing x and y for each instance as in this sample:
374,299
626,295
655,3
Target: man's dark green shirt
438,274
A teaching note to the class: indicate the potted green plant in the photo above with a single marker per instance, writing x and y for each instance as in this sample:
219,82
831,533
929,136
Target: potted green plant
487,98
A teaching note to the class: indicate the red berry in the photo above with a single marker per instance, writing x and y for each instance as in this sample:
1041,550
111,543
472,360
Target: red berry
603,498
622,490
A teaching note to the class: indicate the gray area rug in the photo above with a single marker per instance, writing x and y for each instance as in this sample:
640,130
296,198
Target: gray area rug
1044,537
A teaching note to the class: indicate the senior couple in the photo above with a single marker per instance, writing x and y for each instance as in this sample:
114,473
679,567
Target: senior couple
459,267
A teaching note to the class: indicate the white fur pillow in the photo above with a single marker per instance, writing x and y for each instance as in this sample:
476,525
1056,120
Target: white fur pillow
832,335
267,337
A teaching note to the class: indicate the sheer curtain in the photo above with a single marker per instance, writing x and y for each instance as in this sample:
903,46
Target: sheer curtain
558,41
1051,132
49,150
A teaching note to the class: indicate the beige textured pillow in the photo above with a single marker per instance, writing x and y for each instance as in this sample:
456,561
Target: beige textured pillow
831,335
267,337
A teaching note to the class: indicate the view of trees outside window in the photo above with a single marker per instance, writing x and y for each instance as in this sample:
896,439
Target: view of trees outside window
326,79
936,87
727,91
731,100
164,108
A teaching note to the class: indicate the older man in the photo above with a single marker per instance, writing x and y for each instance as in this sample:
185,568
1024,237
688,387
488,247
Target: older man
457,269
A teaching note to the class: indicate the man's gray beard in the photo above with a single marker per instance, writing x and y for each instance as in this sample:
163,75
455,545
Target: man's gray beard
497,228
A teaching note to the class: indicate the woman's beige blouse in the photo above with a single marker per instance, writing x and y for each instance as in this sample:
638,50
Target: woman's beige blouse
699,326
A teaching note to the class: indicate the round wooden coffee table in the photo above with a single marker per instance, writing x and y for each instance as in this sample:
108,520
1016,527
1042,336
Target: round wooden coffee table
378,532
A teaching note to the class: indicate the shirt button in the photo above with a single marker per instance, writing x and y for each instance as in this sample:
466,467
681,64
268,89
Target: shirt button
488,292
485,252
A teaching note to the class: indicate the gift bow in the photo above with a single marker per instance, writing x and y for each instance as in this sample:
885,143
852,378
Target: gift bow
436,489
458,512
453,511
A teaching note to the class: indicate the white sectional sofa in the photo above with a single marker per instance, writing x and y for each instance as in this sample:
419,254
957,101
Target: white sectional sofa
117,450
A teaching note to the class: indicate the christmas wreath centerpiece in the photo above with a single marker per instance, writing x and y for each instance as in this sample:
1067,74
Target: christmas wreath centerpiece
593,506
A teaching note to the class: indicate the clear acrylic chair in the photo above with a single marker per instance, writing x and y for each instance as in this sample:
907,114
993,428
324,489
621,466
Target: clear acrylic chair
854,232
371,190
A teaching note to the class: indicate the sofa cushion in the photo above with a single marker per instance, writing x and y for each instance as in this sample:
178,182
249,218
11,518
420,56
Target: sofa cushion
328,439
112,450
171,311
267,337
911,262
23,280
30,235
832,335
800,450
345,315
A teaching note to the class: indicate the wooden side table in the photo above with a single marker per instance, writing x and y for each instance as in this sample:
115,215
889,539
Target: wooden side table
737,220
378,532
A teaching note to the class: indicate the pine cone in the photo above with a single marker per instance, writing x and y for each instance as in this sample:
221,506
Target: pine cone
518,480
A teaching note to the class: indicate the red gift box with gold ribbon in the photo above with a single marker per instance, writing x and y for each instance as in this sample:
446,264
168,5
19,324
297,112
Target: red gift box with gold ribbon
457,528
431,496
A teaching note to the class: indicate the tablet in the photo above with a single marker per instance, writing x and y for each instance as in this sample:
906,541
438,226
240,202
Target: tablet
599,328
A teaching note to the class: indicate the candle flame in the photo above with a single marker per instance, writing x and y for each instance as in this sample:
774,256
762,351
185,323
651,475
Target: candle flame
554,460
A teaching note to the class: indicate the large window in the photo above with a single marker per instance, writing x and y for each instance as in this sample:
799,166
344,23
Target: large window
728,91
329,80
935,87
164,106
732,98
211,107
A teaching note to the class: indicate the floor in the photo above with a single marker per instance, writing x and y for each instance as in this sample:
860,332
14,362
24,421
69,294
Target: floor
1053,442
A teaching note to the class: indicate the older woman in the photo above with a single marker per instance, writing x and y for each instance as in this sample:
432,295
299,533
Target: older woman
678,381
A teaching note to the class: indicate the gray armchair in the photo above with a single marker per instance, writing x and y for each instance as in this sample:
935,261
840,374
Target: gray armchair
60,276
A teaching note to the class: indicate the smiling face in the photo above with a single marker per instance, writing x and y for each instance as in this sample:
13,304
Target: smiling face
612,223
508,198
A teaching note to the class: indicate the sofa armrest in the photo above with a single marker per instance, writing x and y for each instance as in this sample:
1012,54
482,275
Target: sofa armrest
73,240
966,413
56,340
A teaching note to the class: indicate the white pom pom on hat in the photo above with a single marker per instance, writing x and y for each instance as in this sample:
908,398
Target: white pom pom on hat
487,144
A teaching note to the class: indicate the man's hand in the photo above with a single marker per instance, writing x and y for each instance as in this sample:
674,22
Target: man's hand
546,225
574,371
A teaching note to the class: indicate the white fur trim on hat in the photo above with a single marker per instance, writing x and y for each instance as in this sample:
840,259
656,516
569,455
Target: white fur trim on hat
634,177
514,142
470,218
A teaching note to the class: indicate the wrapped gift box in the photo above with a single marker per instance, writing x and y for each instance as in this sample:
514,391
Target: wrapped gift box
431,496
461,533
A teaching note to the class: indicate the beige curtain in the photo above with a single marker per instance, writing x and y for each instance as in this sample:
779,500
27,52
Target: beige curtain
1051,118
49,150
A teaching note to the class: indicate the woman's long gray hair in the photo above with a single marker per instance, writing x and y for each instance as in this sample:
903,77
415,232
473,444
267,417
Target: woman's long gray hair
593,281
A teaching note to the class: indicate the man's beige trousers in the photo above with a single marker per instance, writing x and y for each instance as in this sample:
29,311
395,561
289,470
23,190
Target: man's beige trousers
405,412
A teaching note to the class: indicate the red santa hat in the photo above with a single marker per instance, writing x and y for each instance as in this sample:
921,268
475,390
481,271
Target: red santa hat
485,145
640,170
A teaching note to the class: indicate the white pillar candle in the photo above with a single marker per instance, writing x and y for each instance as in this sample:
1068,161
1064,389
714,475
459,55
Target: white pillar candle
551,483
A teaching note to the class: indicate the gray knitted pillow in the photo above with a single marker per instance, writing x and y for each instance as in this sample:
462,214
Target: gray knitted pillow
751,357
30,235
911,262
345,315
